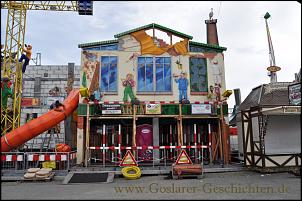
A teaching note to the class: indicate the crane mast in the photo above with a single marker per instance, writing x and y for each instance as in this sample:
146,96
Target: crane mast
11,69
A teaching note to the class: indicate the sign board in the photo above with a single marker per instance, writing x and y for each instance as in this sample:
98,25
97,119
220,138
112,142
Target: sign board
153,109
183,158
28,102
273,68
294,94
292,109
111,109
128,160
201,108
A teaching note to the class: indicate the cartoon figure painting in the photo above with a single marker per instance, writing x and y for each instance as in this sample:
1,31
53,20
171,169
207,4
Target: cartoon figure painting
217,78
182,85
211,94
128,83
91,66
6,91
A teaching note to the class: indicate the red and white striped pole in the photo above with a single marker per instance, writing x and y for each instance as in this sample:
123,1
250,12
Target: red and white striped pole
119,142
104,141
113,142
171,139
210,142
195,142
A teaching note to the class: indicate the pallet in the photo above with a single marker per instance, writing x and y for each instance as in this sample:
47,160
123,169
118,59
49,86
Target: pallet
51,176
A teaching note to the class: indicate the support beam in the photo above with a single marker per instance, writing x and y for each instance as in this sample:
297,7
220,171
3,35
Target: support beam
87,150
155,122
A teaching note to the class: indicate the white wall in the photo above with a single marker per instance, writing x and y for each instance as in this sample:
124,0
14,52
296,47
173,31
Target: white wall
283,134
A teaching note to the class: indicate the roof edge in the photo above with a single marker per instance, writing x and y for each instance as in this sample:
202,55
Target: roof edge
154,25
208,45
105,42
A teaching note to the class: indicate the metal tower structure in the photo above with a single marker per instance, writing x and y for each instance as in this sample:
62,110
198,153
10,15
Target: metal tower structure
11,69
272,68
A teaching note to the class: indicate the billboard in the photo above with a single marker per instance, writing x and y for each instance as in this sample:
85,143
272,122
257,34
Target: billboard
111,109
294,94
153,109
201,109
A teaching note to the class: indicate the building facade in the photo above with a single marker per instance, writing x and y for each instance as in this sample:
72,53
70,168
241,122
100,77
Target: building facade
151,93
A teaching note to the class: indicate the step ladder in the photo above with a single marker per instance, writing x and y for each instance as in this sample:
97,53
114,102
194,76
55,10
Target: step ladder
49,136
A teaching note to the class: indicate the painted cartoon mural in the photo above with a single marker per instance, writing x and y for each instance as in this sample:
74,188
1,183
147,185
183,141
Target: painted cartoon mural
144,64
211,94
182,85
54,91
217,75
128,83
90,74
6,91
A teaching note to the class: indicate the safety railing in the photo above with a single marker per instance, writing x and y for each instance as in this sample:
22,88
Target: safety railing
112,156
13,161
60,162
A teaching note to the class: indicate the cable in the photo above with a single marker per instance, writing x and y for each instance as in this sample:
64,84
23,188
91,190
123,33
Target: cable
135,175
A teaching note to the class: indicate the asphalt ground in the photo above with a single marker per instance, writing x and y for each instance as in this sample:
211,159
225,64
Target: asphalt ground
226,185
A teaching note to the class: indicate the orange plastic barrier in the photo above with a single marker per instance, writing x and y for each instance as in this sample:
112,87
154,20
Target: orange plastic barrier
37,126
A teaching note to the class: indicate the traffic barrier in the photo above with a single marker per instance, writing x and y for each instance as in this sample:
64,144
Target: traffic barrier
12,161
20,161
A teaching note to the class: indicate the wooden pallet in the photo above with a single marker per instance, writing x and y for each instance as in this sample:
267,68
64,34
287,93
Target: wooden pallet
51,176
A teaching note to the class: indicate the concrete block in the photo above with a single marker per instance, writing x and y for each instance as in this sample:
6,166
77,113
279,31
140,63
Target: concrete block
63,75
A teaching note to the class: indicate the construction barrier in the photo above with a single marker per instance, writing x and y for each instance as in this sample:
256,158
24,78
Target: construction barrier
113,140
165,159
13,162
20,161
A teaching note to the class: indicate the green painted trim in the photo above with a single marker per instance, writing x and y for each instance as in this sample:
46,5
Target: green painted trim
153,25
106,42
207,45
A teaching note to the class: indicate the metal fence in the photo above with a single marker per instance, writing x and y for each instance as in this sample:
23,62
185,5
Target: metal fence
61,162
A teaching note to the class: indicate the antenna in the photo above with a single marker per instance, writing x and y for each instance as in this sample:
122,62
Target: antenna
272,68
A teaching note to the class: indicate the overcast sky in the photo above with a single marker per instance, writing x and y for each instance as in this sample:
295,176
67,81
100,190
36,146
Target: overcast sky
241,28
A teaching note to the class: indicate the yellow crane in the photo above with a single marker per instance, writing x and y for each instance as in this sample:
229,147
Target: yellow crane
11,69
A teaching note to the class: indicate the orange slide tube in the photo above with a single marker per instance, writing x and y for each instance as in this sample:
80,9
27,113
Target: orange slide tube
37,126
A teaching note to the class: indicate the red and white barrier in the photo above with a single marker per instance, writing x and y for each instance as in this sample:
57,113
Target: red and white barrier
37,157
159,102
150,147
10,157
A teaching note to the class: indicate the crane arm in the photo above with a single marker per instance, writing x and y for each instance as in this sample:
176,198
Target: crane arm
41,5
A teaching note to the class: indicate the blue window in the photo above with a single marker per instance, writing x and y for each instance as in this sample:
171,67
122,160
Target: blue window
154,74
102,47
108,74
198,75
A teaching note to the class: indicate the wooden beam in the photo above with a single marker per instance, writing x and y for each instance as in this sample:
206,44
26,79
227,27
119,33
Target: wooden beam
87,136
134,129
134,126
180,134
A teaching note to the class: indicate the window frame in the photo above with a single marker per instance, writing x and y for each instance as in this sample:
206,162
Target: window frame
154,92
207,80
117,73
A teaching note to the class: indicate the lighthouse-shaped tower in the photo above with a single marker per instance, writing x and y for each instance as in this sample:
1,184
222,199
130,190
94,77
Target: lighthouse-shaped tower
272,68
